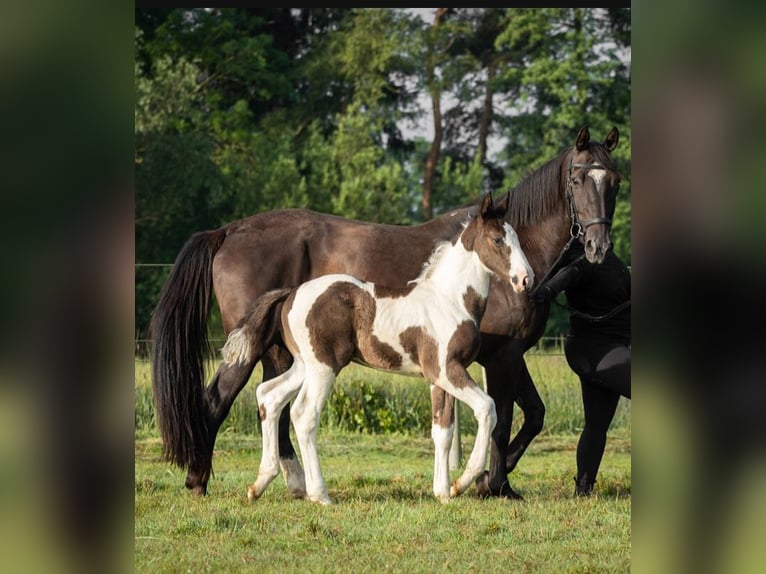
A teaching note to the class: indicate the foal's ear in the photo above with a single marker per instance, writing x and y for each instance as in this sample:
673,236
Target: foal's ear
501,207
487,206
583,138
611,139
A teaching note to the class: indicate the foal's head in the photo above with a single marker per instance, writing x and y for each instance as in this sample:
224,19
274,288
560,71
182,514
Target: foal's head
497,245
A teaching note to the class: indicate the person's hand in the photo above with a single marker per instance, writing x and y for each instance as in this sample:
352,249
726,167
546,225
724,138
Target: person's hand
542,294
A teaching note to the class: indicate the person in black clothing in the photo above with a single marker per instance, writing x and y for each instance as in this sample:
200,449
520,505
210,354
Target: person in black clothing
597,347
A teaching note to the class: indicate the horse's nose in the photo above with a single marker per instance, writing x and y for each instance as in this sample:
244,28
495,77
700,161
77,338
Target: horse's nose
595,251
527,282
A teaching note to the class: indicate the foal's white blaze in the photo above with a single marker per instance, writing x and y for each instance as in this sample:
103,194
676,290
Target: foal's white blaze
519,266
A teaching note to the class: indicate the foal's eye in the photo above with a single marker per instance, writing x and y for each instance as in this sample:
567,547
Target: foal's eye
498,241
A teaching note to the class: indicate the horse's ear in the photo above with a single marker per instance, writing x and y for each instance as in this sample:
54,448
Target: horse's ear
487,206
501,207
583,138
611,139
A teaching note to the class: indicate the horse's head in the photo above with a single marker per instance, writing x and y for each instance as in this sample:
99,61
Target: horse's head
592,184
497,245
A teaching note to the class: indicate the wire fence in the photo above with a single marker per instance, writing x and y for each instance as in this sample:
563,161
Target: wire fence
545,345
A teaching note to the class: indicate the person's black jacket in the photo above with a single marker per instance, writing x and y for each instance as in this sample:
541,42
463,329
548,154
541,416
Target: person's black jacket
595,290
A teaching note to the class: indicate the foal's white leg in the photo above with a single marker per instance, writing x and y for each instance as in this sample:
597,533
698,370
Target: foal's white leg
305,413
272,397
464,388
441,433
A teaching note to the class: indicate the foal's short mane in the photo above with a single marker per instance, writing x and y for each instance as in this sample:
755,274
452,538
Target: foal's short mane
537,195
436,255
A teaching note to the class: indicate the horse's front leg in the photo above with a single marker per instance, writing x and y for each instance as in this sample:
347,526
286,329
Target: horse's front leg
502,371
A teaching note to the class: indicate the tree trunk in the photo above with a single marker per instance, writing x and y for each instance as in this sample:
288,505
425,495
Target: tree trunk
435,92
486,112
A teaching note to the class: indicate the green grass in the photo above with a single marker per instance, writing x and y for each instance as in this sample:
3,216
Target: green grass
385,517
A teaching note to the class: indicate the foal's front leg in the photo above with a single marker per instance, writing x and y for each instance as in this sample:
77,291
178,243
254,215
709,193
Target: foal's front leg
460,385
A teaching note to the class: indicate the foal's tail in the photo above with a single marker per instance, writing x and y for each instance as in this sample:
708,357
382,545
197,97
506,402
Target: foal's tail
256,331
180,346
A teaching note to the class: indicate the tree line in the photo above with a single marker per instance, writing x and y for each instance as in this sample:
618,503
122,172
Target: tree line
386,115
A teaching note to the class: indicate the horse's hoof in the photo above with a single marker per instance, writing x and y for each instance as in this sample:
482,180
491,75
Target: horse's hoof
252,493
323,500
483,489
198,488
482,485
507,492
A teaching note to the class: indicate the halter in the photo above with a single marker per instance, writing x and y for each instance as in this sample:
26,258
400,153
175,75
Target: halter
578,228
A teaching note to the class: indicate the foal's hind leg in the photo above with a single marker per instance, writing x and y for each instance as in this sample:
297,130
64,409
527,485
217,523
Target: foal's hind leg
442,428
305,413
275,362
272,396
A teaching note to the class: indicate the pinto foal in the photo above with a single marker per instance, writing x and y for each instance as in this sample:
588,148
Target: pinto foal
429,329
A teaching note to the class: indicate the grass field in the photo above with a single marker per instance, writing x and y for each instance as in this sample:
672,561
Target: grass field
385,517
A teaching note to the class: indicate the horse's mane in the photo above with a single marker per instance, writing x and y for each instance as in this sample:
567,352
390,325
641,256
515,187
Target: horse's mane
537,195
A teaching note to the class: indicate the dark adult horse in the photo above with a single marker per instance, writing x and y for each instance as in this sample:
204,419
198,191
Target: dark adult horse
566,199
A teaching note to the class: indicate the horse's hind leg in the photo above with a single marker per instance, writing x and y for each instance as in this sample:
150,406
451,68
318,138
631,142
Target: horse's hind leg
229,380
305,413
273,395
533,409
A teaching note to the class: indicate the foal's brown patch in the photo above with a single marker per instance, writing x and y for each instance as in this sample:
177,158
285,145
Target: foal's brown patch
461,352
340,328
474,303
422,349
440,415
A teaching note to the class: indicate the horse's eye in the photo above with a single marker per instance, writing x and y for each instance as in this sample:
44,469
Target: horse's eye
498,241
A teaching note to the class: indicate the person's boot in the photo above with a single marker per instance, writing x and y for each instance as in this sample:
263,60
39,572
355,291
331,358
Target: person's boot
583,485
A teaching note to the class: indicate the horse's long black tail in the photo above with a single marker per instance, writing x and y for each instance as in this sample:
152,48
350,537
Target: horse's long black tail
180,347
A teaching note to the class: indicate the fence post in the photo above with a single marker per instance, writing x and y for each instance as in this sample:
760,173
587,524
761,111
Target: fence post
456,451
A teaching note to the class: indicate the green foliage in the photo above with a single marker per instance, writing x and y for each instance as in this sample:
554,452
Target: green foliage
240,111
373,402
